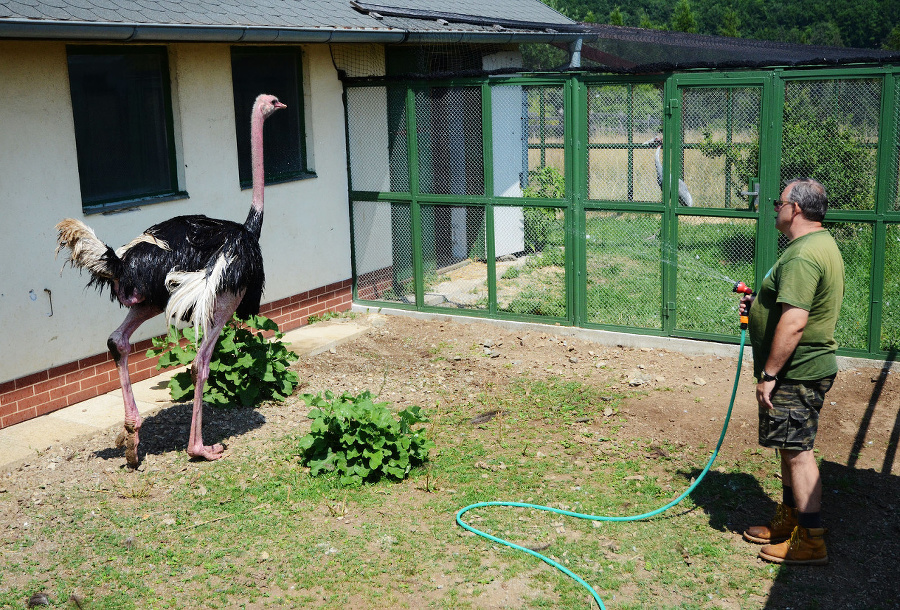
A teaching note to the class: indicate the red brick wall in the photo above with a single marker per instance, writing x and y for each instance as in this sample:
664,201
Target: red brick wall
370,286
44,392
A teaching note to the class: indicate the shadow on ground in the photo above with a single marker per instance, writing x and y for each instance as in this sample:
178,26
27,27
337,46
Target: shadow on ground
859,508
860,511
168,430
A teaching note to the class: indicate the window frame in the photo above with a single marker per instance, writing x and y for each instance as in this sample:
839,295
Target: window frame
172,191
241,121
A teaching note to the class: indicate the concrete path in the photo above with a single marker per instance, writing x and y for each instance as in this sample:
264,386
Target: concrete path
21,441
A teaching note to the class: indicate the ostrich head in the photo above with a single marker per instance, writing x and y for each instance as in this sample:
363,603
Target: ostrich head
267,104
657,141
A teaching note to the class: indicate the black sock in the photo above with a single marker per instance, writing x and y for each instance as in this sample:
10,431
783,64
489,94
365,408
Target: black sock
787,497
810,520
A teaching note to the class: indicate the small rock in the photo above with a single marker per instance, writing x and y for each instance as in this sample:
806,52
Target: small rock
573,360
699,381
38,599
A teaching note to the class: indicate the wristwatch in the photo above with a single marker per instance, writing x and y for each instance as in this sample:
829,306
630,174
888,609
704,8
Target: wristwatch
767,377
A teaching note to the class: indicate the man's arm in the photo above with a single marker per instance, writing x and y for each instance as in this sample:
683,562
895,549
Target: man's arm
787,337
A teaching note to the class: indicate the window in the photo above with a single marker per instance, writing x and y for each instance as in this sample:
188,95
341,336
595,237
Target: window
277,72
123,124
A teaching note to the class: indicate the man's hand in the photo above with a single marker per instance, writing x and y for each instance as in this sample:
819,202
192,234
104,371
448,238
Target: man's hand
745,303
764,391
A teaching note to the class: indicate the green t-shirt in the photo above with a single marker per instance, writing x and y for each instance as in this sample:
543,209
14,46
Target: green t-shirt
809,275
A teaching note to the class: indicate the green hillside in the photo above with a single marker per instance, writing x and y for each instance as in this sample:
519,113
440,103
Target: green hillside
850,23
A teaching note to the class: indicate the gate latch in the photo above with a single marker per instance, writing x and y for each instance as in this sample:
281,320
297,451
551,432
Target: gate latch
752,195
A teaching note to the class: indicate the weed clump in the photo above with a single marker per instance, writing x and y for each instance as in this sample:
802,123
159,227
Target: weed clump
360,440
246,369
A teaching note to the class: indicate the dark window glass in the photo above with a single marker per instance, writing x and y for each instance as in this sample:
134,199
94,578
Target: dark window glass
123,132
276,72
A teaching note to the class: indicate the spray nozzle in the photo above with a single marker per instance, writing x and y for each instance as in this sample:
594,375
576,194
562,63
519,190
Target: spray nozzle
741,287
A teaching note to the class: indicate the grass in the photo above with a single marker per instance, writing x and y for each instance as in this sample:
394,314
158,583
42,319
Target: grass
256,529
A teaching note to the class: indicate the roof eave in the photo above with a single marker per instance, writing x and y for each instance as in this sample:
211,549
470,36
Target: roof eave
120,32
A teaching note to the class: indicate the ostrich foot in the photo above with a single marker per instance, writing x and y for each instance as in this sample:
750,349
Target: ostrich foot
128,438
207,452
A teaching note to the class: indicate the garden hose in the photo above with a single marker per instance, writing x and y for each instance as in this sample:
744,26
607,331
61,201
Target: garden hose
643,516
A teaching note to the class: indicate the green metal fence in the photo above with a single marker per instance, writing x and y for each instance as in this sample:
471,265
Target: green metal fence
623,203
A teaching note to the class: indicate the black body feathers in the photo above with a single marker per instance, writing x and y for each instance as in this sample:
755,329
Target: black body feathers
194,243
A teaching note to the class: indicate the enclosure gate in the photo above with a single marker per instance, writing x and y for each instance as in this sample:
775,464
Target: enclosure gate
547,198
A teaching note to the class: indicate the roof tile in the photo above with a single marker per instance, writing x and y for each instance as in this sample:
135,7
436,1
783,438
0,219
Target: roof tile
273,13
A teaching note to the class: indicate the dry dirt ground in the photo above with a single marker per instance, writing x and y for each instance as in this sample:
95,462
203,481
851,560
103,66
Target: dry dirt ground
857,444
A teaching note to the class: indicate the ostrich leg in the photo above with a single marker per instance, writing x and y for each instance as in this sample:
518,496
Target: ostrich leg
119,345
225,306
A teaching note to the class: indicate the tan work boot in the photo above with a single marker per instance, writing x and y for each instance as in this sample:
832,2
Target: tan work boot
778,529
806,547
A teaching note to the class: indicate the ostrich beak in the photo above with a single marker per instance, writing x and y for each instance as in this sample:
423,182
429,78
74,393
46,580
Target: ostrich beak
649,142
279,105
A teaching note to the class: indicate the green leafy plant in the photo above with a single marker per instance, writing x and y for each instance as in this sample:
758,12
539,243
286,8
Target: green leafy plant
245,369
360,440
546,182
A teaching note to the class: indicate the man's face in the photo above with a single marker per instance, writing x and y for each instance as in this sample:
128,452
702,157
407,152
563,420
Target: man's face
785,210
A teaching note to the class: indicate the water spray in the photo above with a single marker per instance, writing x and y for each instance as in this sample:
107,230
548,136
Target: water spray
740,288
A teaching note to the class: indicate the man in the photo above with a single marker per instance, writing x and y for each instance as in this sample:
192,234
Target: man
792,320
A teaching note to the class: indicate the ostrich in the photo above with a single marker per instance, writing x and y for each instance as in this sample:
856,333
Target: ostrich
194,268
684,196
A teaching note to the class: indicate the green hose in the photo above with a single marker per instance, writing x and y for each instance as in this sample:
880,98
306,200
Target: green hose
568,513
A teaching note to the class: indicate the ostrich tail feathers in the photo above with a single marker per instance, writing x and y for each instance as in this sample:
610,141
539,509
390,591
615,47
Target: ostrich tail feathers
86,251
192,295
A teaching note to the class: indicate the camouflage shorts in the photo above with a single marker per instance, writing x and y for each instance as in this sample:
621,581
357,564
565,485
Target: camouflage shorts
794,420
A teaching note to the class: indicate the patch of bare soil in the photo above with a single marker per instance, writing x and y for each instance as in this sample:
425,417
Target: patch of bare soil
671,398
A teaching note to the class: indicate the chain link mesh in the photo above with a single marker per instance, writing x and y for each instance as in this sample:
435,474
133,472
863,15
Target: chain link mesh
531,260
510,141
895,163
624,280
454,256
382,252
712,254
448,133
829,125
855,242
379,159
890,314
622,122
830,133
720,136
545,126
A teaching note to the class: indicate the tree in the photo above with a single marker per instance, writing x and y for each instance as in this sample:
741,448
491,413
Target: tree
616,17
730,24
892,42
824,34
683,19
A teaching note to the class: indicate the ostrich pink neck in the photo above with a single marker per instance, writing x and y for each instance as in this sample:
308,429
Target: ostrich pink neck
254,219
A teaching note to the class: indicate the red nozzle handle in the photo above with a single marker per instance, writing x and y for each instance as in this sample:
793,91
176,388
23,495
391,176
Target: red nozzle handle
742,288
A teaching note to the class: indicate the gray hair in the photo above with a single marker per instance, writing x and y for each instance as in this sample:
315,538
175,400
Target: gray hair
810,196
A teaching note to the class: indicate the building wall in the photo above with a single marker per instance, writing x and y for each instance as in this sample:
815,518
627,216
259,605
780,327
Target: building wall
49,320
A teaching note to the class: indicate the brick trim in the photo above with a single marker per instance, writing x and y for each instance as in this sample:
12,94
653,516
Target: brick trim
53,389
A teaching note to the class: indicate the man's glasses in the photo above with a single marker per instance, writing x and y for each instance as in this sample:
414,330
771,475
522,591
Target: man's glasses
780,203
